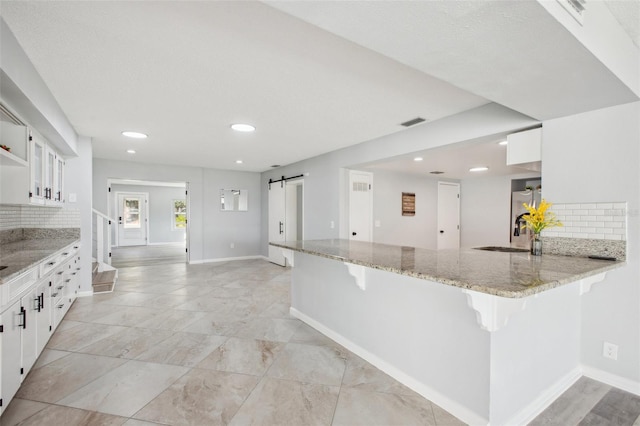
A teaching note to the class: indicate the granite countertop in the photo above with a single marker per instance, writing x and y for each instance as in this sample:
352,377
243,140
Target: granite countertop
19,256
511,275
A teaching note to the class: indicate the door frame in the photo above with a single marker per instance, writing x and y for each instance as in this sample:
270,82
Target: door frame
146,212
456,184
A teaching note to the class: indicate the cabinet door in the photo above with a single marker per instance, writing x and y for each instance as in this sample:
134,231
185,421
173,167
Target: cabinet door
29,329
44,329
59,180
49,175
37,162
10,350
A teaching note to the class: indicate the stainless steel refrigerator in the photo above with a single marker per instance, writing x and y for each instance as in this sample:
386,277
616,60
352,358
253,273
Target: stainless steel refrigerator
521,236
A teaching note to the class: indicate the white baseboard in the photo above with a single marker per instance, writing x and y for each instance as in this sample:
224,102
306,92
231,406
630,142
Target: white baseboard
170,243
224,259
458,410
85,293
612,379
541,403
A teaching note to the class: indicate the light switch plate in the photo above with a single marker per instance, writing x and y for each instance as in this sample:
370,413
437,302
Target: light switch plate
73,197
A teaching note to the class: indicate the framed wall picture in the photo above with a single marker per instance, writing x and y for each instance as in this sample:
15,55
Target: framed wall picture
408,204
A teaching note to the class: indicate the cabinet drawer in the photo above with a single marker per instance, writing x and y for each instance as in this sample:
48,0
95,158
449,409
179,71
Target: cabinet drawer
17,286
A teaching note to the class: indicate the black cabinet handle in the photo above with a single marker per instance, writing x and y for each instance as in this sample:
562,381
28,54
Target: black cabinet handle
61,306
354,233
41,301
281,231
441,231
23,313
60,287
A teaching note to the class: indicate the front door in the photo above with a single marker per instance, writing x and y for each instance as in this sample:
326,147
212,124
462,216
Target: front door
448,215
132,219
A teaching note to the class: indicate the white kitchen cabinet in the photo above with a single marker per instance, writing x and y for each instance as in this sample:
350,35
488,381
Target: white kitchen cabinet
10,353
29,330
41,182
31,310
524,149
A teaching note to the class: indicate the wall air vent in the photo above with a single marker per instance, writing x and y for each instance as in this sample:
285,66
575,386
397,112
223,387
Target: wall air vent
576,8
413,122
276,166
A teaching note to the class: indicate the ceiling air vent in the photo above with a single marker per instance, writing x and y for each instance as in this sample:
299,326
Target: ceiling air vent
413,122
576,8
436,172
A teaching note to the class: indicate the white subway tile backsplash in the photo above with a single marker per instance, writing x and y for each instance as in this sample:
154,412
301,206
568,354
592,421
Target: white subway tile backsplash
12,217
606,220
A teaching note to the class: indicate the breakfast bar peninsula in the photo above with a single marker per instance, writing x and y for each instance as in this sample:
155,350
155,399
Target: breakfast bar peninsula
491,337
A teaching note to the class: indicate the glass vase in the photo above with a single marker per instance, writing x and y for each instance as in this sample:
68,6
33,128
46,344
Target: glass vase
536,245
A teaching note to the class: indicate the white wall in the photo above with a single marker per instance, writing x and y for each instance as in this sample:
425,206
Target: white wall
77,171
594,157
485,211
416,231
160,211
211,231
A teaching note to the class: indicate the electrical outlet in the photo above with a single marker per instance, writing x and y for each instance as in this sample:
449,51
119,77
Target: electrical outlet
609,350
332,224
232,245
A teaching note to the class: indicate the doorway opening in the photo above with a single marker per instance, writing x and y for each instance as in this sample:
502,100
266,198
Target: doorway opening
151,225
448,215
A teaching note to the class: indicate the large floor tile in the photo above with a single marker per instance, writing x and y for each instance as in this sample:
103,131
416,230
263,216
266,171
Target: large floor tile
574,404
55,415
19,410
357,407
361,375
309,364
283,402
185,349
215,323
172,319
80,337
617,407
58,379
128,343
129,316
245,356
276,329
48,356
126,389
201,397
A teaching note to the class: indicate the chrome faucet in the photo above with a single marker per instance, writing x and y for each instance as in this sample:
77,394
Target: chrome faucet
519,219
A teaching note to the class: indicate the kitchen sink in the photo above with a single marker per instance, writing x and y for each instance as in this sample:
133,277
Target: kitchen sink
503,249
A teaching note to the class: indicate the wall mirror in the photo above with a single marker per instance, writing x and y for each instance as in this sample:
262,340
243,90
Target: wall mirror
234,200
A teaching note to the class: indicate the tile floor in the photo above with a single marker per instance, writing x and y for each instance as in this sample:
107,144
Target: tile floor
213,344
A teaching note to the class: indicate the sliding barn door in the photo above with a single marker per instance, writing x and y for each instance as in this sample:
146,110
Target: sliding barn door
277,211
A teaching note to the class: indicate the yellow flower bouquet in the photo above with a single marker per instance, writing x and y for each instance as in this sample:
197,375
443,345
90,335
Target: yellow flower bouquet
538,218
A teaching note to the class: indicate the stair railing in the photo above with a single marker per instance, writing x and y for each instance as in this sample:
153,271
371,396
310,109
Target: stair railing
101,247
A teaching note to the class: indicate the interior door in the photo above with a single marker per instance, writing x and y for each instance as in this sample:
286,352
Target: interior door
448,215
277,224
360,206
132,219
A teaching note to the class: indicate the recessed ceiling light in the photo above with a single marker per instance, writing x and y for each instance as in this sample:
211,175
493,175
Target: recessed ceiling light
238,161
417,159
504,142
240,127
136,135
131,151
479,169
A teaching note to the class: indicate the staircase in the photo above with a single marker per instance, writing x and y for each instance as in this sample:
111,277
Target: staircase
104,275
104,278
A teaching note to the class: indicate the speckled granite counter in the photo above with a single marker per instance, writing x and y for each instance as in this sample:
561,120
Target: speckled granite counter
512,275
23,254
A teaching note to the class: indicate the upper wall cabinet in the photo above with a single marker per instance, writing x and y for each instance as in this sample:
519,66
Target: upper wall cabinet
525,149
40,181
13,140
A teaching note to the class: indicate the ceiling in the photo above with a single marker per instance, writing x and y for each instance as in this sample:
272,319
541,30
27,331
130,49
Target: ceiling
311,76
453,160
